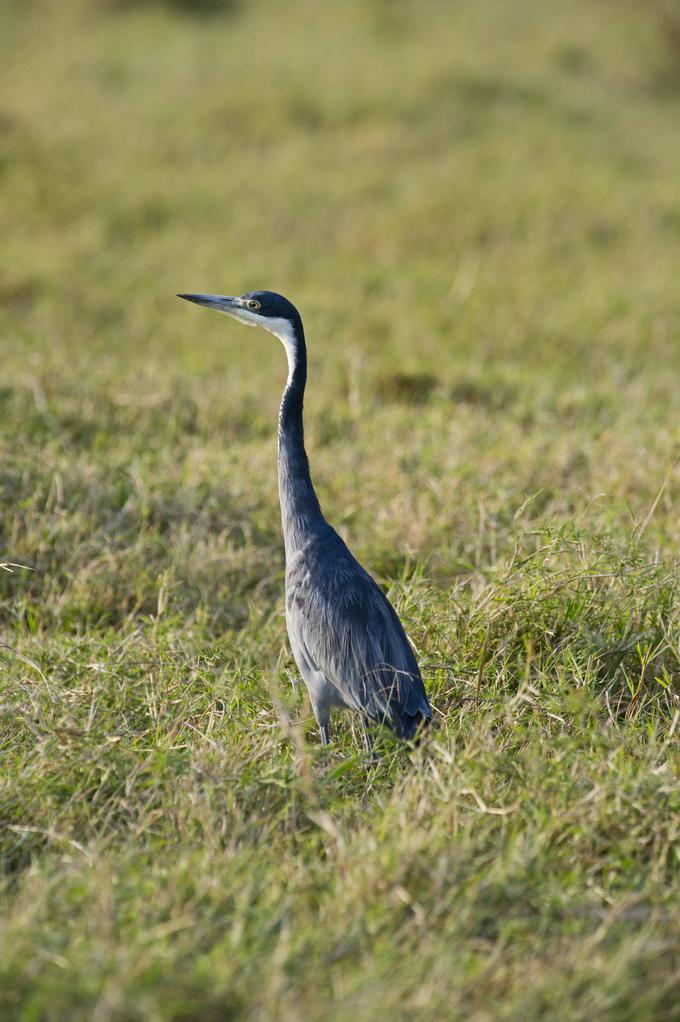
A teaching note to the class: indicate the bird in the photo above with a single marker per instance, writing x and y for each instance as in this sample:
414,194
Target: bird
345,636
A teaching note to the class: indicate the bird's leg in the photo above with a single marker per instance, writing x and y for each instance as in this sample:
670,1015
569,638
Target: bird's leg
368,737
372,757
323,730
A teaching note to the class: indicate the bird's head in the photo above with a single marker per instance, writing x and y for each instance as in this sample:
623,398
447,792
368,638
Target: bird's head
256,308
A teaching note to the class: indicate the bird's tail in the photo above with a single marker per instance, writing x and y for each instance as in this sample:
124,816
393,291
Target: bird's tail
399,700
410,726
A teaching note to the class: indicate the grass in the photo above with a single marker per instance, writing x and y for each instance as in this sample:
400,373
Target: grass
476,208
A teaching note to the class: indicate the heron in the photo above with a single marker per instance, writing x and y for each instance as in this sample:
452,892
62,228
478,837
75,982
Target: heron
346,638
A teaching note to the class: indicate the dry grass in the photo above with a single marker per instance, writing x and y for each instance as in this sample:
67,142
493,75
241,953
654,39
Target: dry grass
475,207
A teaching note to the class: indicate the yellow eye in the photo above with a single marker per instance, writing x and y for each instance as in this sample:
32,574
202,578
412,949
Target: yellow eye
253,304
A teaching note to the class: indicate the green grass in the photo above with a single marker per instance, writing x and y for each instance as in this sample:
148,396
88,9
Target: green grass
475,206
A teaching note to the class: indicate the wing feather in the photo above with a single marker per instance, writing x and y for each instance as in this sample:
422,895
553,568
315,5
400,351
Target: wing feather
348,630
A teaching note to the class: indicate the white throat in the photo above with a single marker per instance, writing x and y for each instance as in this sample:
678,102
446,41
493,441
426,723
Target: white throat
282,329
278,326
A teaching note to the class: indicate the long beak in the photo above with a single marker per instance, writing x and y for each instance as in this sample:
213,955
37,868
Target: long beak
221,303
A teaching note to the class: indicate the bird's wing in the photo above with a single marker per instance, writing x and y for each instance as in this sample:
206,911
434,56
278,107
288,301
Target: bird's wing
348,631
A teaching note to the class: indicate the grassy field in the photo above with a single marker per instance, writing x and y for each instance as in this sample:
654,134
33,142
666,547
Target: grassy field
476,208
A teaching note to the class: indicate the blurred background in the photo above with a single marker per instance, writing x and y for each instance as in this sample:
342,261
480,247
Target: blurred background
476,206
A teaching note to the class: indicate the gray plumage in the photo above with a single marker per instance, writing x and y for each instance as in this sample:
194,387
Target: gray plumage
345,636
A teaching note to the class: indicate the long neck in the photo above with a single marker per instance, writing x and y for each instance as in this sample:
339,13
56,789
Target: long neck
299,505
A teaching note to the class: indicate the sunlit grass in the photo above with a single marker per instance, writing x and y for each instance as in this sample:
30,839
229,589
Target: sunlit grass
475,207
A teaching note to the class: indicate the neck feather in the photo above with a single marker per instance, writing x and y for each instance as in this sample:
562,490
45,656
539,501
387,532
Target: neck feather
299,504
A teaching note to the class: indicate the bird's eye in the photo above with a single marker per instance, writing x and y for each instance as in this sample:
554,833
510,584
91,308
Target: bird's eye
253,304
